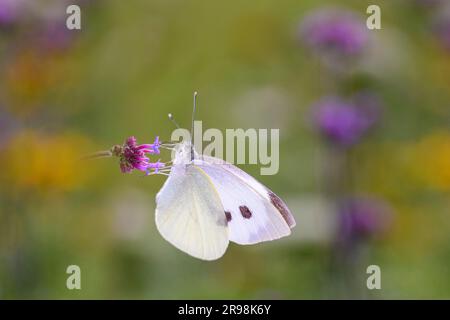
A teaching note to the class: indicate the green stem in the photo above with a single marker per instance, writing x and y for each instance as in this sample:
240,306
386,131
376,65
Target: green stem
96,155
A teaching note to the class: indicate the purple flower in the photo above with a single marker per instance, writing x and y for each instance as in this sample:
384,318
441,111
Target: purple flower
334,31
9,11
156,145
346,122
54,36
133,156
362,217
156,166
442,29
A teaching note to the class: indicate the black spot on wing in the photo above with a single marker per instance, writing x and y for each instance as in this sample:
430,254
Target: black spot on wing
245,212
282,208
228,216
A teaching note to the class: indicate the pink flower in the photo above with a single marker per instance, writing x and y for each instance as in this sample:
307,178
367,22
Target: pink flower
133,155
345,123
156,166
336,30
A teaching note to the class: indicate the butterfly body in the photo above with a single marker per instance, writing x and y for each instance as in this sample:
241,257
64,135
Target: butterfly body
207,202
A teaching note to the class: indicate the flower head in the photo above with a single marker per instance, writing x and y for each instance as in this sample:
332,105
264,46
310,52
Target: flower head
133,155
362,217
346,122
9,11
334,31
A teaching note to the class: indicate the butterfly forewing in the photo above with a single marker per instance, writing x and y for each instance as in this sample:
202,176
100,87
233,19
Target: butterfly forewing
190,215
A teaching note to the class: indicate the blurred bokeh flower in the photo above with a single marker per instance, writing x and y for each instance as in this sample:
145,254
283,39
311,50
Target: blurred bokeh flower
41,161
334,31
441,27
362,218
28,77
9,11
54,36
429,160
345,122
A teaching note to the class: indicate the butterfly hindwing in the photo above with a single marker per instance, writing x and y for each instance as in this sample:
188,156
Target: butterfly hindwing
190,215
253,212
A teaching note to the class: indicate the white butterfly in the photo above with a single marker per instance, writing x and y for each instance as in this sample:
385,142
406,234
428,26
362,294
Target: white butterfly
207,202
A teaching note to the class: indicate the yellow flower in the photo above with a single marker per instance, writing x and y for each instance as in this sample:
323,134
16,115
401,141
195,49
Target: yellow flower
429,160
44,162
28,79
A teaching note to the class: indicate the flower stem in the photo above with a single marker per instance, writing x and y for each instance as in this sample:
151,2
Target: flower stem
96,155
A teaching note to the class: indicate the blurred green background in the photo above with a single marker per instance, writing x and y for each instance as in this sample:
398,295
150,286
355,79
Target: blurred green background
65,93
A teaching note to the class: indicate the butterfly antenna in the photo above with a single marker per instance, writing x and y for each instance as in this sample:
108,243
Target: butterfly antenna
192,126
171,118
